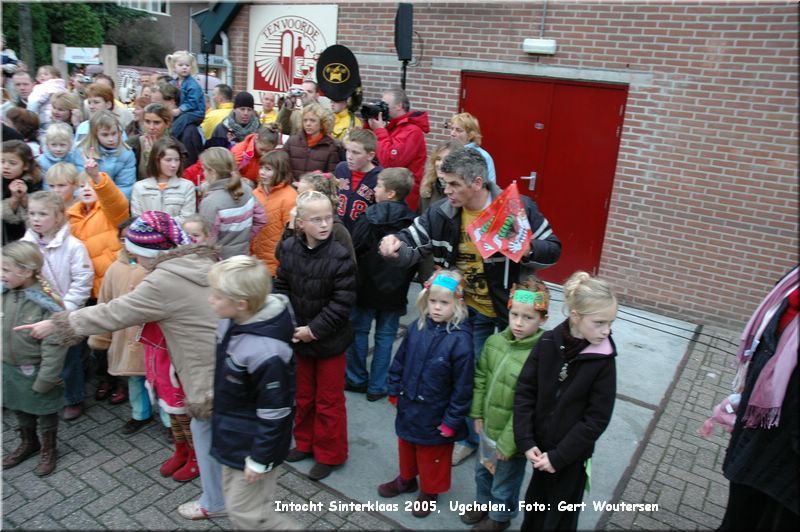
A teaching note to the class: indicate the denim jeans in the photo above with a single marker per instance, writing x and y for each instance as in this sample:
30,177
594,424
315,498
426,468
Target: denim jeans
74,386
482,328
210,470
386,324
502,487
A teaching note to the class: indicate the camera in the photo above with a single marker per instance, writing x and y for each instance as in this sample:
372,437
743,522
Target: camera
375,109
296,92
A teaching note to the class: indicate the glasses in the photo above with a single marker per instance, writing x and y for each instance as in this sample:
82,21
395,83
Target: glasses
319,220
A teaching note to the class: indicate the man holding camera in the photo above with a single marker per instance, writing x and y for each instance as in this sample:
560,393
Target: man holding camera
289,117
401,140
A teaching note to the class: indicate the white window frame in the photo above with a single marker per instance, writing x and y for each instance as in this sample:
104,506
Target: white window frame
149,6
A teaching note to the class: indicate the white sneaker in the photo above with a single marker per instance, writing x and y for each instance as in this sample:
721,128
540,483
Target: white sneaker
461,453
192,510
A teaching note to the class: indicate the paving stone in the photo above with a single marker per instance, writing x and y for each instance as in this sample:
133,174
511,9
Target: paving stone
116,519
41,522
74,502
100,480
65,481
143,500
34,506
109,500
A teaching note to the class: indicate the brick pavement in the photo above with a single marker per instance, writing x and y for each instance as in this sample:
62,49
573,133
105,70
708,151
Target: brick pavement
106,480
676,468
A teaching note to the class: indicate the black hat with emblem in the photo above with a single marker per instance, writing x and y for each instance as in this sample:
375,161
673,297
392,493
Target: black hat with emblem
337,73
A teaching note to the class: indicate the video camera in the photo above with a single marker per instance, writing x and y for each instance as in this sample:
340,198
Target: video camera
375,109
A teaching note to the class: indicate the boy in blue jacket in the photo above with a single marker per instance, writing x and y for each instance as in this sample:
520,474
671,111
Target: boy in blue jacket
254,387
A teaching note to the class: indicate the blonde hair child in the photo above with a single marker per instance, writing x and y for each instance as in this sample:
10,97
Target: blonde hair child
324,183
277,196
568,383
69,270
31,368
430,382
183,67
228,205
197,228
64,179
255,338
104,143
58,147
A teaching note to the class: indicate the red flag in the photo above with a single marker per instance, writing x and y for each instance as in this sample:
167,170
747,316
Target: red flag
503,227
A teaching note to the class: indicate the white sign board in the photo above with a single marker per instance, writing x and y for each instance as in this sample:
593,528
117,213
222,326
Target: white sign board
83,56
285,43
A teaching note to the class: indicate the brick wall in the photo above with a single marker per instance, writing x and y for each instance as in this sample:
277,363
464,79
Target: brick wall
704,209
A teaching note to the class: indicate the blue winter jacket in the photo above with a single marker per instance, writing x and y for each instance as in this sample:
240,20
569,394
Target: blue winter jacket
254,387
431,376
47,159
120,165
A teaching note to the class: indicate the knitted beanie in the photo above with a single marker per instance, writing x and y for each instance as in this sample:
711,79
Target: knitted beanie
244,99
153,232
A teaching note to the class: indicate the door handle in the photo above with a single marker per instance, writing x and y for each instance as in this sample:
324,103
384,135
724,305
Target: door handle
531,180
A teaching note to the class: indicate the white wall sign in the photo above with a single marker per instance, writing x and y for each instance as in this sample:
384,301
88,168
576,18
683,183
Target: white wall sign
285,43
82,56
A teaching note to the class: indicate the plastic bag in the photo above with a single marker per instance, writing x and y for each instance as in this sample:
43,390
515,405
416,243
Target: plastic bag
487,453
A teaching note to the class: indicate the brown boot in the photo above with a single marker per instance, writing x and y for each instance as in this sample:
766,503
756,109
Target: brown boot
29,445
47,458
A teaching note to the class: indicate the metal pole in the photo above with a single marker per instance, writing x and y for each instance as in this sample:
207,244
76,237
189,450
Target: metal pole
403,80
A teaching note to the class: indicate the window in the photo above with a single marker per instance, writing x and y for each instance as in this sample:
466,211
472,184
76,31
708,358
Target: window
151,6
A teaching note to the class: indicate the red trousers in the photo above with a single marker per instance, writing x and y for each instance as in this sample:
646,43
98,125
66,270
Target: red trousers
431,462
320,424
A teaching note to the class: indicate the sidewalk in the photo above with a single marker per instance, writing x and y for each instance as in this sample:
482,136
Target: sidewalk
650,453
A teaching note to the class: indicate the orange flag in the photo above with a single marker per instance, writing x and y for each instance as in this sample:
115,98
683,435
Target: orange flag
503,227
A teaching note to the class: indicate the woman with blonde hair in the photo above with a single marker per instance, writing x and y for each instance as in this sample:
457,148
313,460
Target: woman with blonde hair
465,128
314,148
228,204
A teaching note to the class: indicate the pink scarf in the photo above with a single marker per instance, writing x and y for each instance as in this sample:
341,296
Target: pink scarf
764,407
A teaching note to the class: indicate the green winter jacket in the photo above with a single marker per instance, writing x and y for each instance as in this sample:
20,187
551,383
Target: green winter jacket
495,382
24,306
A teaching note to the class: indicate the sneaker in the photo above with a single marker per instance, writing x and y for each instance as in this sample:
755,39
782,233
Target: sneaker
295,455
490,524
461,453
192,510
372,397
358,388
73,412
473,517
134,425
423,504
395,487
320,471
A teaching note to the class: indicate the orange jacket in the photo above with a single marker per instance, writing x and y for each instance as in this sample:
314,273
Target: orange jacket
277,204
97,228
247,161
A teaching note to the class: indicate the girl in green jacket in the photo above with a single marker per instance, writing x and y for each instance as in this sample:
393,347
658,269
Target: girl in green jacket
499,477
32,385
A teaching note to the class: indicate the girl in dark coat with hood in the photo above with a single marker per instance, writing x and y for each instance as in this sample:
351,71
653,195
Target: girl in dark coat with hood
564,399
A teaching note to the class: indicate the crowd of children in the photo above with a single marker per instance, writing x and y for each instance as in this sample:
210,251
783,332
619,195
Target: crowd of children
141,252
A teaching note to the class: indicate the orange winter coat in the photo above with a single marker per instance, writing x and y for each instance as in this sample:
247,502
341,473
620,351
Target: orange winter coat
277,205
97,228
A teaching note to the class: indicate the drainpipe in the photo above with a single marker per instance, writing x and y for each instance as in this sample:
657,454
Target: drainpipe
228,65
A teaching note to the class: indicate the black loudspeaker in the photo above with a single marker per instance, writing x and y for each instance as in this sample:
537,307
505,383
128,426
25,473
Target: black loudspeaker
403,28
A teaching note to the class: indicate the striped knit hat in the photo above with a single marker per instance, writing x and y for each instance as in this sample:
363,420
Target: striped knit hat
153,232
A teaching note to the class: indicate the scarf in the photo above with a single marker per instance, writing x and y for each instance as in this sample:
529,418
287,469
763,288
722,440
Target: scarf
241,131
764,407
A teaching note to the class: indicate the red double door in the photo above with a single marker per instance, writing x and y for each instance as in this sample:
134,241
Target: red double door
564,134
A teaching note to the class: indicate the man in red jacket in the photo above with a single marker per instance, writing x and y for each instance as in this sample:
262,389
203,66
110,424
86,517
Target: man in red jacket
401,141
